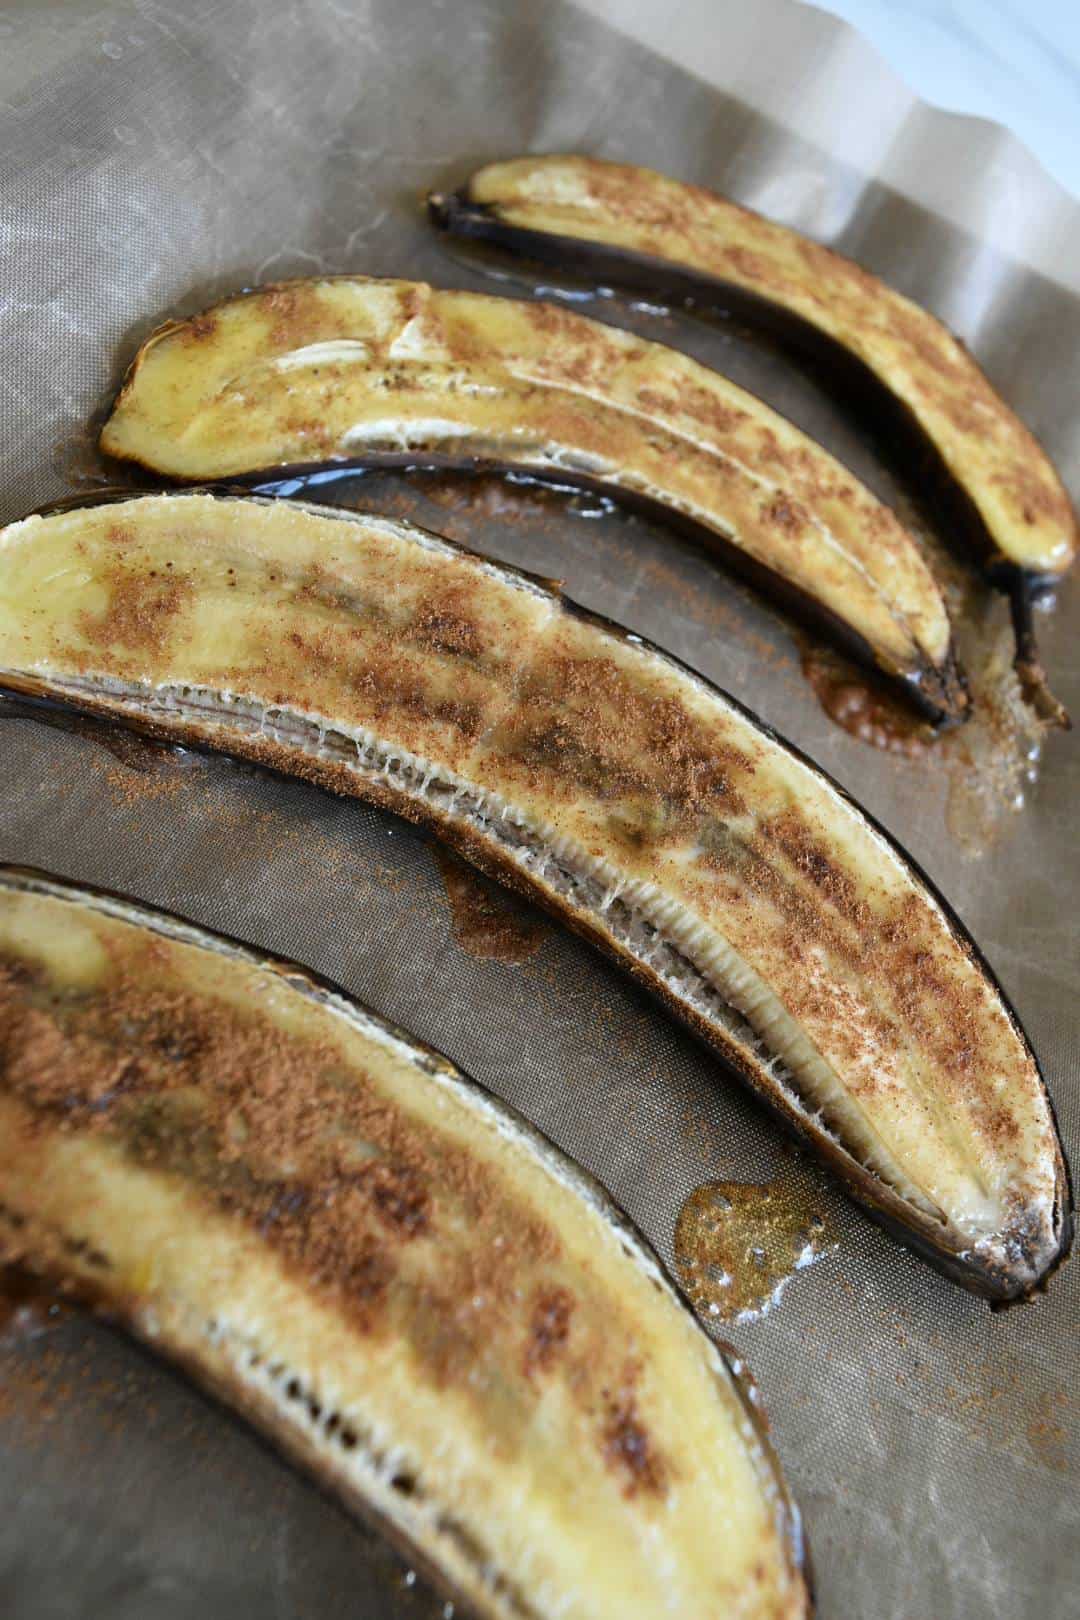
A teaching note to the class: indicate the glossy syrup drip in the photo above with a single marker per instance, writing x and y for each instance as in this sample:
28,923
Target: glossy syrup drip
737,1244
28,1306
993,760
77,459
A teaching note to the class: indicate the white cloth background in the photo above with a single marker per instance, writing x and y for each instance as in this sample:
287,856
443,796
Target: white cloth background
869,99
1016,61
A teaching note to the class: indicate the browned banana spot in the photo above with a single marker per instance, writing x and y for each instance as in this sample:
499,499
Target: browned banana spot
605,780
378,373
994,484
414,1294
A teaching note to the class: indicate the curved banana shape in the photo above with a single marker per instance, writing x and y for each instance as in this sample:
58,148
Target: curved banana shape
416,1295
608,782
633,227
377,372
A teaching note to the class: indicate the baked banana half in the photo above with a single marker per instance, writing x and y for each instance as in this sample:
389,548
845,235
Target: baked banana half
416,1295
603,779
395,372
627,226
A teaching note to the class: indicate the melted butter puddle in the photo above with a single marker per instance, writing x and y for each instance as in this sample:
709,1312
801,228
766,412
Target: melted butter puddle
137,753
485,920
991,762
738,1244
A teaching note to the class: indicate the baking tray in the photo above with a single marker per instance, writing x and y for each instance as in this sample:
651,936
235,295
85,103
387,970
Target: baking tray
155,156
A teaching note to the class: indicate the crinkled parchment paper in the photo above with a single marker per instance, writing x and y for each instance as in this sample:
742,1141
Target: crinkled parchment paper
155,155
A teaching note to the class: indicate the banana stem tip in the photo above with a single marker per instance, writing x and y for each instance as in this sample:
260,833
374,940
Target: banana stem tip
1027,663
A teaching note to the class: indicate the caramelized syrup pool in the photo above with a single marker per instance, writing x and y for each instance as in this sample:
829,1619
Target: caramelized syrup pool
990,761
486,920
737,1244
994,760
861,705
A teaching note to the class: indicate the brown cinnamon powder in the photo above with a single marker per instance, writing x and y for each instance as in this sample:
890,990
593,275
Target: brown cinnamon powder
279,1131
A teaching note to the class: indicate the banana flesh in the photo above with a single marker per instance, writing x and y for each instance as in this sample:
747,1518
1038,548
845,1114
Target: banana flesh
574,204
372,372
650,810
415,1295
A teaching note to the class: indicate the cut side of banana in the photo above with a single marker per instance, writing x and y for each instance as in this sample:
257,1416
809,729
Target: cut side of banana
378,373
595,773
993,485
413,1293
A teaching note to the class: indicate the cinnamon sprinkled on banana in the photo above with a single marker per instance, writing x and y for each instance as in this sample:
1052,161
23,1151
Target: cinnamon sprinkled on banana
396,372
629,226
605,780
413,1293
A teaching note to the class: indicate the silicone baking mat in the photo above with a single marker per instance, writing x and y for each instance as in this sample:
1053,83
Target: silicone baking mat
153,157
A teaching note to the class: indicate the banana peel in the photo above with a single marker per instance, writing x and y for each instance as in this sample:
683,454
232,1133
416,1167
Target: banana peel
646,808
994,485
413,1294
378,373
